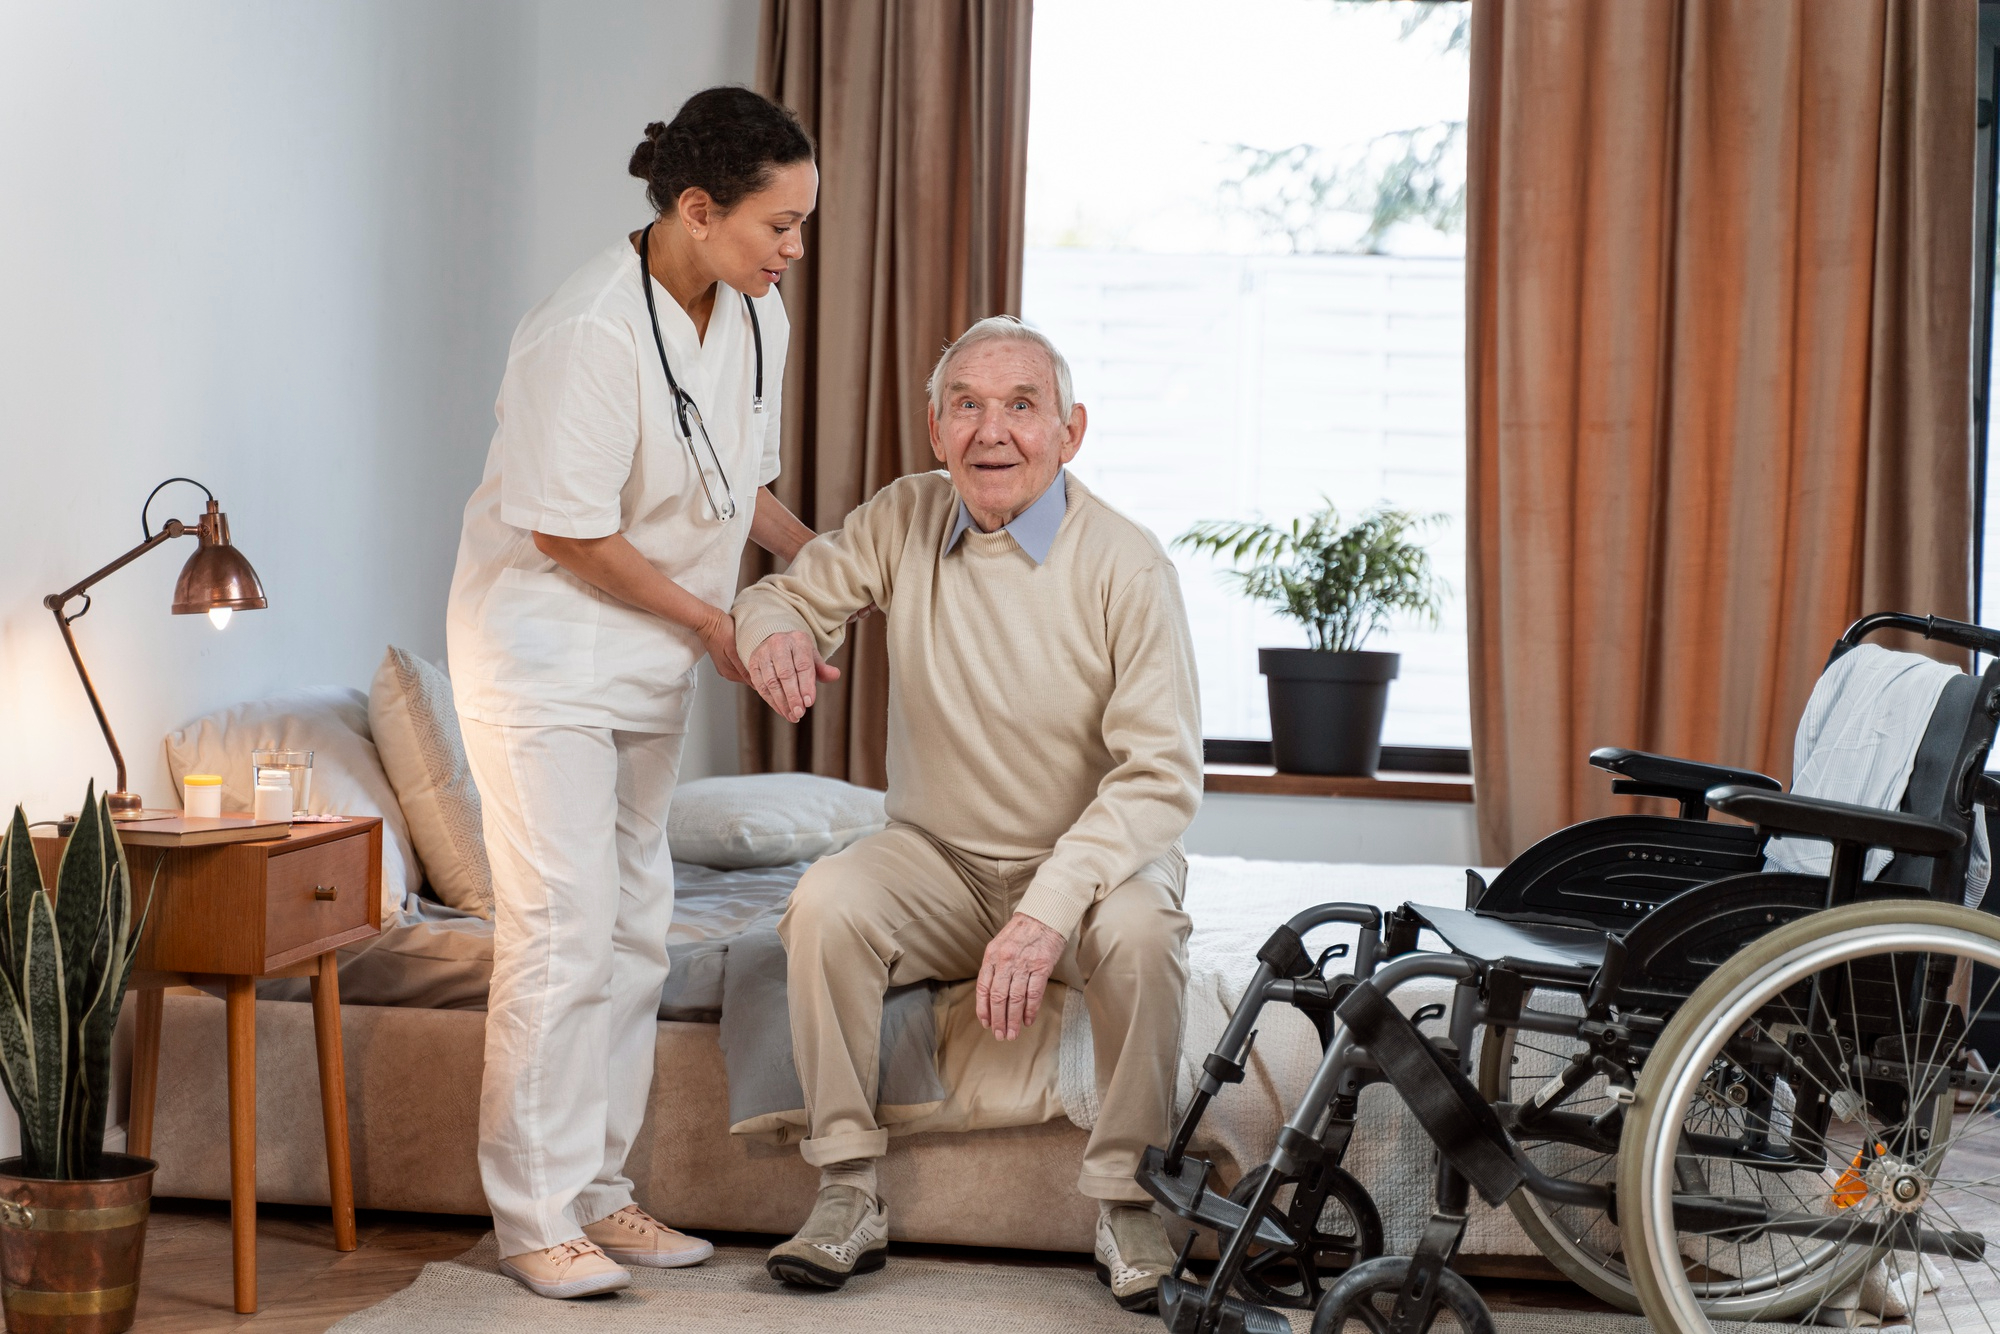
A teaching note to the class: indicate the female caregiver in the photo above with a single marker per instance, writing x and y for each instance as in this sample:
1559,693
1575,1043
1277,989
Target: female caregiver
638,428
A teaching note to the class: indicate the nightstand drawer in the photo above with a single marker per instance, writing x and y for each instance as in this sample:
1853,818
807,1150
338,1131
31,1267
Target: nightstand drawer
314,893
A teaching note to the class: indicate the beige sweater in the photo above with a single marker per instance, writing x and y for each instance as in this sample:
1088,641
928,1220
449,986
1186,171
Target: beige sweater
1033,710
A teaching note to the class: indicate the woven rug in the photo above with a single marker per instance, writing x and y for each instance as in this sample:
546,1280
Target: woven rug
914,1295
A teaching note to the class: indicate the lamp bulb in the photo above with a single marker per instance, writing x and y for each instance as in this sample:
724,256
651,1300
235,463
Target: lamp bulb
219,616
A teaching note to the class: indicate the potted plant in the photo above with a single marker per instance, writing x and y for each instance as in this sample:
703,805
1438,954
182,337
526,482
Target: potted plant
72,1217
1343,584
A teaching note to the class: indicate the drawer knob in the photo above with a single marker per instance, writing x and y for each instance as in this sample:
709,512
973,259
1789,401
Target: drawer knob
326,893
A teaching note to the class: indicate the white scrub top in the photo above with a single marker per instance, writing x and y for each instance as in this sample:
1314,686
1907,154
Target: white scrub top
587,446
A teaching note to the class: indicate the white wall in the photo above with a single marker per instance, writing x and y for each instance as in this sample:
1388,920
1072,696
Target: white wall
280,248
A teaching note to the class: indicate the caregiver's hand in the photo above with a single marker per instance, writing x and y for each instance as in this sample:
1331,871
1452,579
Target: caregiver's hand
718,636
786,670
1015,973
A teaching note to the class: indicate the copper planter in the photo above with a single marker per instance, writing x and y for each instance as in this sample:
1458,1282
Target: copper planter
70,1250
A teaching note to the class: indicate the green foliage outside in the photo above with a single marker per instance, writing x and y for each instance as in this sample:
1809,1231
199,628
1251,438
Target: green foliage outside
1299,193
1342,583
1303,194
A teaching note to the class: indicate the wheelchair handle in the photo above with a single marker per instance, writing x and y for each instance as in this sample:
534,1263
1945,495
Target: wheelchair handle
1359,914
1958,633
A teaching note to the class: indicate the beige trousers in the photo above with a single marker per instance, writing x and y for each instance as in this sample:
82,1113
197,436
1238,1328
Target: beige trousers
902,907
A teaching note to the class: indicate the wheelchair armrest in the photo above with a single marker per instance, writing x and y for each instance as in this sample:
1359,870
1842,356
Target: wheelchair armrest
1986,791
1835,821
1641,774
1667,771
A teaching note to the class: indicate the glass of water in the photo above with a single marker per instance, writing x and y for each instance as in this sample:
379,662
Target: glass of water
297,763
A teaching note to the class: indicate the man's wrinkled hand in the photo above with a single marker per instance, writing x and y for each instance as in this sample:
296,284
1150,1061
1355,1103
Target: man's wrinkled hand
1015,973
786,669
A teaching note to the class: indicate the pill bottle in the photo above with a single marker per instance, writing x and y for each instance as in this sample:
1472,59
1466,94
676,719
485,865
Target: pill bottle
273,800
201,796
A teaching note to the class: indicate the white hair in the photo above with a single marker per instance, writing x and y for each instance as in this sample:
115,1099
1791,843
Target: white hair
1002,328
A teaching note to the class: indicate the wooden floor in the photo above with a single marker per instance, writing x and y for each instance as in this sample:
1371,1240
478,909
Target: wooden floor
305,1286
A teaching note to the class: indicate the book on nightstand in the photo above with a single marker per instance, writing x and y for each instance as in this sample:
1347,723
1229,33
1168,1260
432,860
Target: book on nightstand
171,829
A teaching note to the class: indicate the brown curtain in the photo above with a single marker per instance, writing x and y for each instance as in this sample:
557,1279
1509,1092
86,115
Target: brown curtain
920,111
1718,352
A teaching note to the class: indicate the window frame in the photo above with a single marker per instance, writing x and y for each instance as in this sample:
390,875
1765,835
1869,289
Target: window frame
1395,759
1986,175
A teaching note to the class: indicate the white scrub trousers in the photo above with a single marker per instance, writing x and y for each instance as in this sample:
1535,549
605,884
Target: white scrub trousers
583,893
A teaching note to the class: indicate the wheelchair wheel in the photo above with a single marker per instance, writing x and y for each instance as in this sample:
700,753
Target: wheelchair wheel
1793,1149
1347,1230
1365,1298
1584,1243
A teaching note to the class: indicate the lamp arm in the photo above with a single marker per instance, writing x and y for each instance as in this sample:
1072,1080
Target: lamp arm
96,707
55,602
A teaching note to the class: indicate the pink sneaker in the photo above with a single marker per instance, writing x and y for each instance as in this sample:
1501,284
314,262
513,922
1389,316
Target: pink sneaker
634,1237
574,1269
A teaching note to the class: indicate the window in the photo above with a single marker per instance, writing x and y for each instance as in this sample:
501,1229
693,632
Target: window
1246,230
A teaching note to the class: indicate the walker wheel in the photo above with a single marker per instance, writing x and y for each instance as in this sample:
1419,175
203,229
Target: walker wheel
1344,1230
1365,1299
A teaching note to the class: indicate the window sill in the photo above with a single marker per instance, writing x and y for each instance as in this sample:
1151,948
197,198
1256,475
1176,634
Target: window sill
1264,781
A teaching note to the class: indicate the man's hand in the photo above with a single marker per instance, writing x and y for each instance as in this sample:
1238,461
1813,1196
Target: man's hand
786,670
718,636
1015,973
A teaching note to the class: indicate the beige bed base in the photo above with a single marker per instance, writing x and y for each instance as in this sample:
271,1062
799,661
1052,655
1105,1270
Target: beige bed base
413,1113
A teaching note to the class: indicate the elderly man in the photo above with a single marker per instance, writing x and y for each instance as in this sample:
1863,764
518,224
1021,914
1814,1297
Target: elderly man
1044,759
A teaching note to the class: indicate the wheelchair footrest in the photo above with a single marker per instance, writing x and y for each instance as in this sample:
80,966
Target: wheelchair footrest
1182,1303
1189,1196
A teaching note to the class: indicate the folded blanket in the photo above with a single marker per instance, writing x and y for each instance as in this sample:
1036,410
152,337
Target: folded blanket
764,1091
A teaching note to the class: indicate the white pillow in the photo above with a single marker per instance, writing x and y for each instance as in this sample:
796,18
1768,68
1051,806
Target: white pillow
769,819
347,777
416,730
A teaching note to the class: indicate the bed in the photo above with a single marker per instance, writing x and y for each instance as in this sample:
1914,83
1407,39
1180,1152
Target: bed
988,1134
1016,1113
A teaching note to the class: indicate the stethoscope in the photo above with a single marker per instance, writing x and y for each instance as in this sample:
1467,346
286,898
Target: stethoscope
684,404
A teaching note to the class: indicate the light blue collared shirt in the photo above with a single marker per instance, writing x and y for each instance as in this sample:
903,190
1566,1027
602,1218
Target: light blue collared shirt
1033,529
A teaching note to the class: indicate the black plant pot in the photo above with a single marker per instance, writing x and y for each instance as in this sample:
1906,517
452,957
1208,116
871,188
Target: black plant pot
1326,708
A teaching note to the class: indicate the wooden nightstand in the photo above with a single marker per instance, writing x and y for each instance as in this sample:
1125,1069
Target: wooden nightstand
231,914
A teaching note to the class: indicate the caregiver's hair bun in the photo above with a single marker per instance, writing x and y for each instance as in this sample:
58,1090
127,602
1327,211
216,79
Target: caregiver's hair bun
642,156
726,141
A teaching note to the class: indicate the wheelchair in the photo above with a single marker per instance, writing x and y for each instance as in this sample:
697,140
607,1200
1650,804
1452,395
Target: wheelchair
1707,1091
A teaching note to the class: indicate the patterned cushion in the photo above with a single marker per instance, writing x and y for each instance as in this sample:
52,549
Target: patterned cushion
416,729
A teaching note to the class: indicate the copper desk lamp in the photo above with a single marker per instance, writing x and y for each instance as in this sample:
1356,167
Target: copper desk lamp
216,580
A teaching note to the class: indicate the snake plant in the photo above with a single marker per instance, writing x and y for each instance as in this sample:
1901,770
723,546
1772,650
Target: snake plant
64,962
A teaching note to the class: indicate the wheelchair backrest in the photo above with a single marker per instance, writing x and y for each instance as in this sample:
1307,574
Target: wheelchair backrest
1612,872
1949,761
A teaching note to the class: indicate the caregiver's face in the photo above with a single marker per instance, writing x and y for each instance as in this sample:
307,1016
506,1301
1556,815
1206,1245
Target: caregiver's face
1000,433
751,245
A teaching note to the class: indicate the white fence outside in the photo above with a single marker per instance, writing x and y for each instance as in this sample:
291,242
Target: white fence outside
1239,386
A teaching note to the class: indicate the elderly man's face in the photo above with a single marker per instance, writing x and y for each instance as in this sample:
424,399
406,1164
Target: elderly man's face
1000,434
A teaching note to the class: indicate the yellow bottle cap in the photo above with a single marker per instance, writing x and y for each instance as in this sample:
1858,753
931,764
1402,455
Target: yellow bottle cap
202,780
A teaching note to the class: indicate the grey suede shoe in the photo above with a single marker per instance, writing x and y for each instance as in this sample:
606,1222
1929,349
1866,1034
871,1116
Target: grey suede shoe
847,1234
1133,1256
